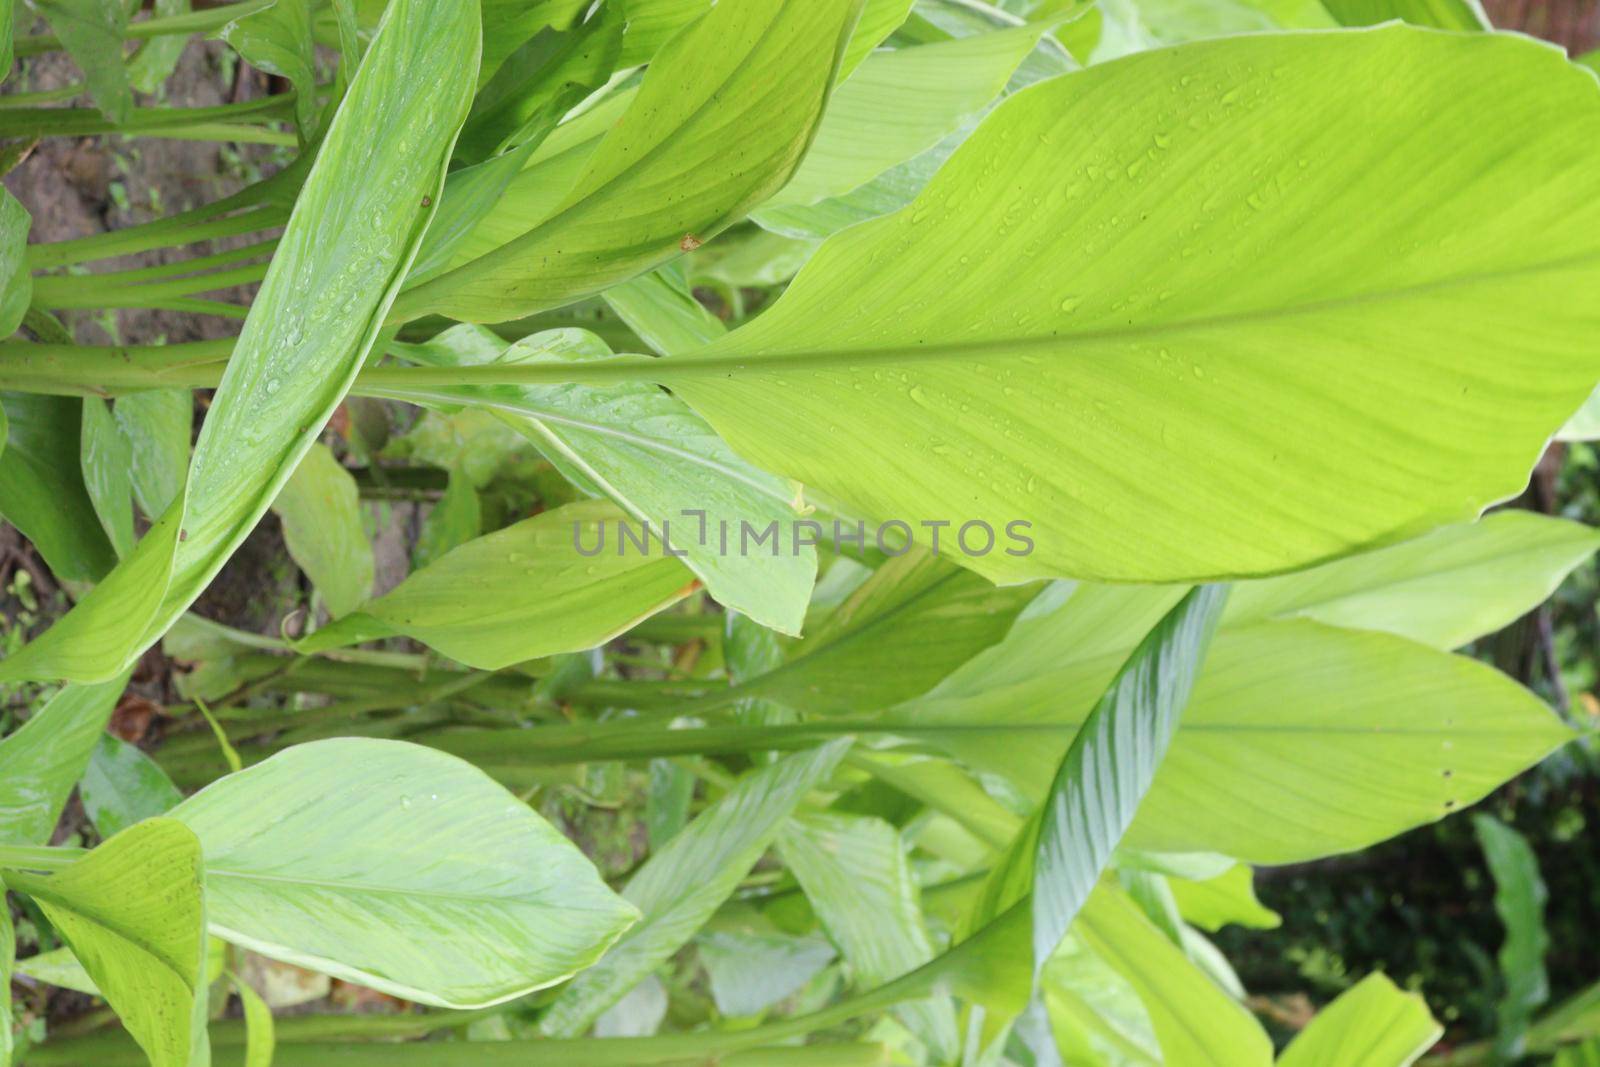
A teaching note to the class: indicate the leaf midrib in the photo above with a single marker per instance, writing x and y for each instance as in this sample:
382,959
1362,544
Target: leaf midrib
713,359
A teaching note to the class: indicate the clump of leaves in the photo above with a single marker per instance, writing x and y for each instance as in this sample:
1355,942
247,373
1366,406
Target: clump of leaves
1074,500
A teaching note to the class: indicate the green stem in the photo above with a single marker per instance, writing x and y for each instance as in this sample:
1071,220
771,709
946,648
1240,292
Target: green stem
186,227
102,291
84,121
189,22
160,271
43,96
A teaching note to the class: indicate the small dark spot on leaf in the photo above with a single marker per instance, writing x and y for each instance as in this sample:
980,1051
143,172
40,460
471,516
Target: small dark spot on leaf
690,242
183,535
427,201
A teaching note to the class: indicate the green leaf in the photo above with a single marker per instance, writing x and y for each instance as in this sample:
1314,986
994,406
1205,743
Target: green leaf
122,786
1519,899
539,83
671,474
92,32
1440,14
1373,1023
320,508
678,888
854,871
277,39
310,326
1195,1022
1057,343
900,103
907,627
1387,734
400,868
662,180
41,486
107,462
41,762
1444,589
132,911
158,424
16,282
456,519
1230,897
522,592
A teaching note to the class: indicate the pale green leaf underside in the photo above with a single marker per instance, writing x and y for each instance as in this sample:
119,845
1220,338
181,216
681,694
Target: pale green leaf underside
1258,276
400,868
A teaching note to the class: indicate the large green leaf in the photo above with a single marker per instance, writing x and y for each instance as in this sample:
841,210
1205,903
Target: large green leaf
399,868
320,508
318,312
1519,899
1195,1022
1062,851
132,910
754,74
855,873
679,887
1342,737
41,762
1373,1023
526,591
41,485
122,786
92,32
649,452
1053,333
